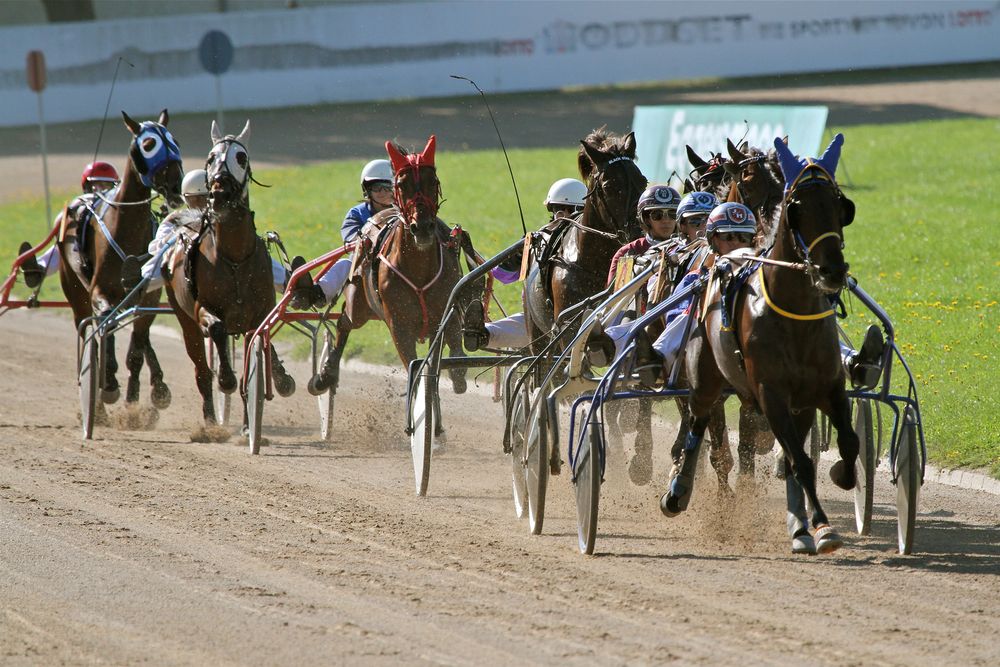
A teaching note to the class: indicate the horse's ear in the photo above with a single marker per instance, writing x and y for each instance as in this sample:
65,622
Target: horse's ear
595,155
732,168
785,139
216,133
630,145
744,146
132,126
734,153
584,163
164,118
244,136
696,161
395,157
688,186
427,155
849,210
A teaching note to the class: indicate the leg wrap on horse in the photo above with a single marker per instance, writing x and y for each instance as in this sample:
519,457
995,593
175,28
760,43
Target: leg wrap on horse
676,499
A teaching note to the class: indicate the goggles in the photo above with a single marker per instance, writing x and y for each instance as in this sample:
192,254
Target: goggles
658,214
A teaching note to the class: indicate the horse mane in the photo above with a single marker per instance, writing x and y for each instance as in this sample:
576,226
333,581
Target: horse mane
602,140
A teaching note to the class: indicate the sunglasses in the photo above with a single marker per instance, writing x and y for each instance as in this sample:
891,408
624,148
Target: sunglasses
694,221
381,187
659,214
741,237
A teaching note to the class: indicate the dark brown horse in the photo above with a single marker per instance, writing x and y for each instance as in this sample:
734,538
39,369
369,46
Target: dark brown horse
758,184
220,281
406,280
786,336
90,272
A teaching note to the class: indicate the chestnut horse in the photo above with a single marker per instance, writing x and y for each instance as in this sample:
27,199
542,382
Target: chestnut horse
406,280
220,281
120,226
786,336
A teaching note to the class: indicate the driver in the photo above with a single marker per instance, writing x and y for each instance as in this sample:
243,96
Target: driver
97,178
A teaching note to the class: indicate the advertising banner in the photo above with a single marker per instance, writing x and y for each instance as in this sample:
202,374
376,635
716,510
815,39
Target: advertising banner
662,132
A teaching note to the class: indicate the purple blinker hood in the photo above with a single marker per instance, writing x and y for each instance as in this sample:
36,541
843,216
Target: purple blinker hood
792,166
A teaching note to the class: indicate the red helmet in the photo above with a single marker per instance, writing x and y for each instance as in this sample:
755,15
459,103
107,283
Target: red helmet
98,171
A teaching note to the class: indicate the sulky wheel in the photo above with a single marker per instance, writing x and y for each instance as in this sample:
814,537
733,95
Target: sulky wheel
220,399
536,456
256,388
587,482
320,352
864,468
908,481
519,473
422,438
88,372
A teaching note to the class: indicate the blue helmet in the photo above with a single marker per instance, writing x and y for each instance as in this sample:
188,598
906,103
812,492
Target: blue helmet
658,197
731,217
696,203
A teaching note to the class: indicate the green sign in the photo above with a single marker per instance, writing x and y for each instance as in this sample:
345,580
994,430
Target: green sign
662,132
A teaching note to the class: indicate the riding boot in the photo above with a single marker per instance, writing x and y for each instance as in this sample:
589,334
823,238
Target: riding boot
307,294
474,332
32,270
600,347
865,365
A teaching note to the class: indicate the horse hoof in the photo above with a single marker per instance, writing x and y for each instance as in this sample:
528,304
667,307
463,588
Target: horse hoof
843,475
674,501
284,385
228,383
640,469
827,540
440,443
160,397
318,384
111,396
459,385
804,544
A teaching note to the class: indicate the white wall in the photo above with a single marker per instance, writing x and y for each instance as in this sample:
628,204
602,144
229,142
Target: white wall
388,51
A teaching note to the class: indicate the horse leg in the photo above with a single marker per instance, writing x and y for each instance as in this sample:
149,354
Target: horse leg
160,393
791,429
453,337
678,495
217,332
719,453
355,314
640,466
134,359
842,473
111,391
797,520
746,450
284,383
194,343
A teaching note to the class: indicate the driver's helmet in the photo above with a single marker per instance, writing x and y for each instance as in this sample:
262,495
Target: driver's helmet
658,197
566,192
376,170
195,183
696,204
98,172
730,217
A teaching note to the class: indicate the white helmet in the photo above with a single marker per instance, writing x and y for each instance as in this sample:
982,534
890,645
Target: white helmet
566,192
376,170
195,183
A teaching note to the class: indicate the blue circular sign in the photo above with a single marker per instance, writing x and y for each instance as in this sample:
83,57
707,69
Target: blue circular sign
216,52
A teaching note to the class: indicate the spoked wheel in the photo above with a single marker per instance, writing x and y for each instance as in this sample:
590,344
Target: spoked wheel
220,399
907,481
587,480
518,432
320,353
864,468
536,457
422,438
88,374
256,389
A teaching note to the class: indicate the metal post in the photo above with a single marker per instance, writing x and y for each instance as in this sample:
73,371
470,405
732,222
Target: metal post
45,163
218,103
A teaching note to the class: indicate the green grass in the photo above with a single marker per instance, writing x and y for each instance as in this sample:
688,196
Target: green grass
924,244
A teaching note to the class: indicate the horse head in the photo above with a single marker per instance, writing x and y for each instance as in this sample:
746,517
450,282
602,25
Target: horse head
156,158
706,175
756,174
815,213
228,169
614,181
416,190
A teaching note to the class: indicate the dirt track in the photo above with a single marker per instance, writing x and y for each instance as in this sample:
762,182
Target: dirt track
142,547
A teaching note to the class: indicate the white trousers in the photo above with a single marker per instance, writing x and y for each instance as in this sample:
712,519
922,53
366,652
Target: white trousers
508,333
49,260
333,281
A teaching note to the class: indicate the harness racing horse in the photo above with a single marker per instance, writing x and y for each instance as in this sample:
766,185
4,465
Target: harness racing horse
578,265
91,255
408,272
786,337
220,281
